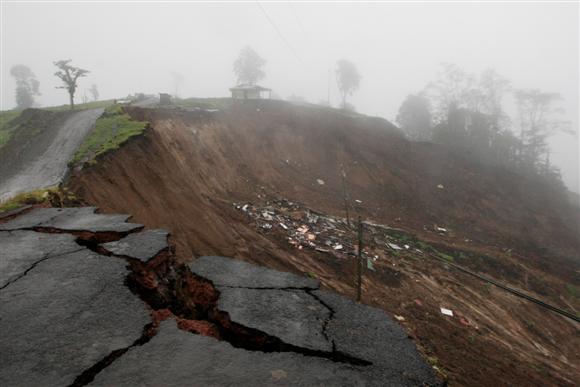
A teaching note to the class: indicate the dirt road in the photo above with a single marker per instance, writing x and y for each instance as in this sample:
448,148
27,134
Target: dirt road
45,167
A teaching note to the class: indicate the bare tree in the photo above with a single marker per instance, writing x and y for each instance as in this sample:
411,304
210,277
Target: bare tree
26,86
69,76
538,120
453,89
94,92
347,78
248,66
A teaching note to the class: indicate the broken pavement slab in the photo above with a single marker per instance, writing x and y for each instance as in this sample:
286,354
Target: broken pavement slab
73,320
21,250
370,334
222,271
143,246
63,308
293,316
177,358
382,353
66,314
71,219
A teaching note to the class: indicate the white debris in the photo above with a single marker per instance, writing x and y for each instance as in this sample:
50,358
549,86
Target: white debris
440,186
245,207
407,247
283,226
358,201
394,246
266,215
447,312
320,181
440,229
338,246
399,318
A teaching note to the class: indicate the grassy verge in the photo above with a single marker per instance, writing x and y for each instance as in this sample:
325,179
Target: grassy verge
55,196
111,130
7,125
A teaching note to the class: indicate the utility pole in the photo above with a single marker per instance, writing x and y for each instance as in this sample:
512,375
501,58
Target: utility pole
360,261
345,194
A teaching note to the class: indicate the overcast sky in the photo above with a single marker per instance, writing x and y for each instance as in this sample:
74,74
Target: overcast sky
134,47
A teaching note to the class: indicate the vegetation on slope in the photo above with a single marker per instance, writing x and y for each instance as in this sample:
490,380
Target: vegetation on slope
55,196
111,130
8,124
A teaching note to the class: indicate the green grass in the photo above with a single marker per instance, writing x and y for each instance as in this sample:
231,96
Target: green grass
54,196
81,106
32,197
7,125
111,130
573,290
446,257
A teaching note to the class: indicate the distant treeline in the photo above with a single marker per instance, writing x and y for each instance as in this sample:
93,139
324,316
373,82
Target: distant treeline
466,113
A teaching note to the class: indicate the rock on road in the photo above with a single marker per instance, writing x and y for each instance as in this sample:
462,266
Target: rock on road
48,168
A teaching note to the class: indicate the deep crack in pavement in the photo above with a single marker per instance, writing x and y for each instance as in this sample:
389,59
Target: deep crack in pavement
285,319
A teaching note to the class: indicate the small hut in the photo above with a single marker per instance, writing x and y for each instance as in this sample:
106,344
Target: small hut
164,99
250,92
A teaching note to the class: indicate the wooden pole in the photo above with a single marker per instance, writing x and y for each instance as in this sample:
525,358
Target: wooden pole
345,195
360,261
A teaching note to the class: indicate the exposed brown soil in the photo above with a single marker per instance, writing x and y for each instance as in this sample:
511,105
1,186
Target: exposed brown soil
185,173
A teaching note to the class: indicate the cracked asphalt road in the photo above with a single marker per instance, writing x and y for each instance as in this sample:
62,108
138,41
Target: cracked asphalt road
74,317
48,168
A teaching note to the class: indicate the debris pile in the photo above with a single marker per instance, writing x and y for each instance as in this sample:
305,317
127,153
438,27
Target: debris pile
305,228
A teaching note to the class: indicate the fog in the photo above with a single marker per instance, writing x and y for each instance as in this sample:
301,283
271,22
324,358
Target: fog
144,47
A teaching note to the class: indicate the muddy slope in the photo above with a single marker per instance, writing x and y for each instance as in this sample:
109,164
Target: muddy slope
187,171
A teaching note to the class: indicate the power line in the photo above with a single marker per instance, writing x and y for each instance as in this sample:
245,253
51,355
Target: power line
297,19
278,31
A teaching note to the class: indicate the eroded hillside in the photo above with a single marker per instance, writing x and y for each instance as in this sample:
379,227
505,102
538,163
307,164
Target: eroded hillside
193,171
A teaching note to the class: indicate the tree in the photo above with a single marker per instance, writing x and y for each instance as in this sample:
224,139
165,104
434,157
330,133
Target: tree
94,92
493,88
69,76
537,119
452,90
347,78
415,118
248,66
26,86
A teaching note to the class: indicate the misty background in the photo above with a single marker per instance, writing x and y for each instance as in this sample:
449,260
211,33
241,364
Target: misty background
398,49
